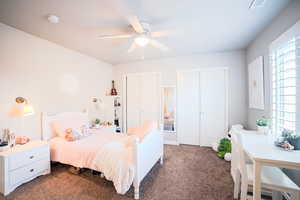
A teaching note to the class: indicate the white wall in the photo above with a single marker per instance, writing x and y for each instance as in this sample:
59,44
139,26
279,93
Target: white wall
50,76
260,47
235,61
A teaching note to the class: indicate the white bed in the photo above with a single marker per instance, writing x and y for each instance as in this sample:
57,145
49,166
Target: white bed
142,155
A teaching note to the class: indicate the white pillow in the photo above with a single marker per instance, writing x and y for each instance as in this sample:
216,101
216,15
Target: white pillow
59,127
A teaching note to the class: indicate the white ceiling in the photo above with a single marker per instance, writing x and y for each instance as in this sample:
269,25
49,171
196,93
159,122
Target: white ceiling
194,26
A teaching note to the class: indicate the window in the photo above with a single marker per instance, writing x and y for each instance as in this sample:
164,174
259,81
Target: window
284,78
285,65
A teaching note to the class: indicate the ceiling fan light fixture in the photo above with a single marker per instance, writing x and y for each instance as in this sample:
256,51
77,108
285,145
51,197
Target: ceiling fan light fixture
142,40
257,4
53,19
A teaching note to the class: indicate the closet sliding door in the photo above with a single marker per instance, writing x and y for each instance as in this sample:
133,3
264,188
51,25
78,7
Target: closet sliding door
214,105
188,108
149,96
202,106
133,105
142,98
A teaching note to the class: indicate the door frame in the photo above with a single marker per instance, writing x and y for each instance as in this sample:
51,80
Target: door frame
226,87
124,99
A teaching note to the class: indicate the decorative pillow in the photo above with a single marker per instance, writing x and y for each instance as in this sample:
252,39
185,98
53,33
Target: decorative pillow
59,127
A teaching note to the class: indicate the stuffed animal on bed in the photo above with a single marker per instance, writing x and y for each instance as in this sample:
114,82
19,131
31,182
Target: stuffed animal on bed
72,135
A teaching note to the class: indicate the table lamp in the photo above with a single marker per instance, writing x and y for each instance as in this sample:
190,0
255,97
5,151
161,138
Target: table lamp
19,110
22,108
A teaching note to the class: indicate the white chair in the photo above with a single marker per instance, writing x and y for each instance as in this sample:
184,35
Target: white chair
272,178
237,129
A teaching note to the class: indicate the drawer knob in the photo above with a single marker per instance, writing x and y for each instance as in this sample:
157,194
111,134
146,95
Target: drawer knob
31,157
31,170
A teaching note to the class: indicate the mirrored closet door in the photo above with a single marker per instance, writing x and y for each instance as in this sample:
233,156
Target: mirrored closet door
169,109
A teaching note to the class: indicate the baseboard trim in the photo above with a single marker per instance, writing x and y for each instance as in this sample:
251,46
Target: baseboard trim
170,142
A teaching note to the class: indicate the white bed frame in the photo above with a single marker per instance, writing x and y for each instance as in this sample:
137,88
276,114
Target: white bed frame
146,153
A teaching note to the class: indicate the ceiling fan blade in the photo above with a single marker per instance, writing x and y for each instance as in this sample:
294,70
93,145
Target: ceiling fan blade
136,24
161,33
159,45
132,47
116,36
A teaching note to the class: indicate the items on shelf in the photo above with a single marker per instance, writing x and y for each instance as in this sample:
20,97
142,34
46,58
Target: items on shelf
106,124
117,105
96,123
117,102
113,91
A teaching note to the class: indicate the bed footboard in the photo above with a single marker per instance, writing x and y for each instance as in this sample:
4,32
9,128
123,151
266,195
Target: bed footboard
146,155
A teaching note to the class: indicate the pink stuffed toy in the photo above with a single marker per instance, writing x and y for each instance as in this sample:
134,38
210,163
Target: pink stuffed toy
22,140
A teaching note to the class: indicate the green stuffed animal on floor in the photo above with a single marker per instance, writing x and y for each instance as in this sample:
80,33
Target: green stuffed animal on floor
224,147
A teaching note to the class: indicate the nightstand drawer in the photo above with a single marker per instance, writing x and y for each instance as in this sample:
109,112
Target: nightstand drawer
23,163
20,175
24,158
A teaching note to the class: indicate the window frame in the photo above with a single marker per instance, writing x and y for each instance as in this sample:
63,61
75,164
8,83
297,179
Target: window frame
277,110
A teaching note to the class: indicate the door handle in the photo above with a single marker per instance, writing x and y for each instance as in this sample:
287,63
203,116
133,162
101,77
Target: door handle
201,115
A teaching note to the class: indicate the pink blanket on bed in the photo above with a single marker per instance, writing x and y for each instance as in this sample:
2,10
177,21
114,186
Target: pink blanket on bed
81,153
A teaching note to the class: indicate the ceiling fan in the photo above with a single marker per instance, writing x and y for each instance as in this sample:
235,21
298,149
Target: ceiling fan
142,35
257,4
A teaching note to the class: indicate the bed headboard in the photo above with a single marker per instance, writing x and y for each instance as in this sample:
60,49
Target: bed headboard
47,118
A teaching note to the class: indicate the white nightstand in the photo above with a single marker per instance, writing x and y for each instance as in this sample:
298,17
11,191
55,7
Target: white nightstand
23,163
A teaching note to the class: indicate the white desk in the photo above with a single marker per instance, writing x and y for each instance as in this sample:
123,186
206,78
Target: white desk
262,151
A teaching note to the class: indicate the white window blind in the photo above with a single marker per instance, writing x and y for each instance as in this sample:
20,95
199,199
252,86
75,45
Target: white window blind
285,65
284,78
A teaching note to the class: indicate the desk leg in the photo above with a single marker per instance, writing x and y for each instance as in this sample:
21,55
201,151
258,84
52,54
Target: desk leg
257,181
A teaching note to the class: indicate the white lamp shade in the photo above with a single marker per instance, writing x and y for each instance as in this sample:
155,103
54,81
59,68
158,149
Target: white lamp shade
28,110
20,110
16,110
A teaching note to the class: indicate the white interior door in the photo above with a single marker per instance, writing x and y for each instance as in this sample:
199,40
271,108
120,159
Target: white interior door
150,97
188,107
132,109
142,98
214,105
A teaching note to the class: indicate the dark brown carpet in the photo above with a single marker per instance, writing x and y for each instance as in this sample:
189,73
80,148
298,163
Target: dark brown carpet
188,173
